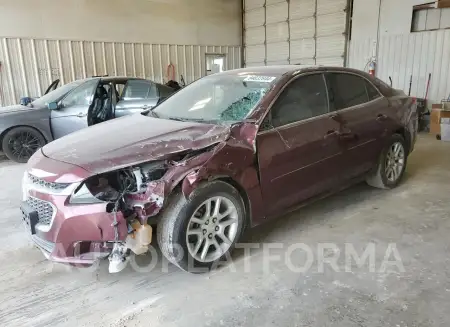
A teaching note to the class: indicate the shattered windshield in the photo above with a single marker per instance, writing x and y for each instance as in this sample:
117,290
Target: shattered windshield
217,98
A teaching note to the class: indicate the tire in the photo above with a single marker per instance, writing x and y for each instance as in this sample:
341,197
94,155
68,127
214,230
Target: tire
438,137
383,179
176,219
20,143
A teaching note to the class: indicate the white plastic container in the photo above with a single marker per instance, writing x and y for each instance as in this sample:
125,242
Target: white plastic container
445,129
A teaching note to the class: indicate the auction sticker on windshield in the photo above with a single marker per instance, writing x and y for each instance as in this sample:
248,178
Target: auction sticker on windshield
261,79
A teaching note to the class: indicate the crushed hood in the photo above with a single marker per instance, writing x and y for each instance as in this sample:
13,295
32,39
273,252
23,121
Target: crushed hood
132,140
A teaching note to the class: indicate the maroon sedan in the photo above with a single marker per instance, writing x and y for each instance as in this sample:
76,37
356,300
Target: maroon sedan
230,151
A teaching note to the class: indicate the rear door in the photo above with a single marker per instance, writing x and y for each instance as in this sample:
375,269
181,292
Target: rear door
137,95
363,112
73,110
299,153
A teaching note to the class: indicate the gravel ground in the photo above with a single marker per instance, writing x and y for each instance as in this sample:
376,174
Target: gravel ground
408,285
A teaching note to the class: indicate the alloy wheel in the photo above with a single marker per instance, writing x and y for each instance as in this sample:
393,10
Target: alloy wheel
395,162
23,145
212,229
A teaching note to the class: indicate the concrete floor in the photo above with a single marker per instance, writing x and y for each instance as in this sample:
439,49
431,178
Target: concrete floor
415,216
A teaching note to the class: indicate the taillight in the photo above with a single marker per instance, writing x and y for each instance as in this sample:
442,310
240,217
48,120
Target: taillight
414,100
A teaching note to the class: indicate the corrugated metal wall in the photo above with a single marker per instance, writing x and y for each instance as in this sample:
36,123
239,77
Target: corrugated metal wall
28,66
295,31
416,54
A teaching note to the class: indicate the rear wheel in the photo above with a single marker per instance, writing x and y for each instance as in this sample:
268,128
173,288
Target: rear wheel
20,143
197,233
392,164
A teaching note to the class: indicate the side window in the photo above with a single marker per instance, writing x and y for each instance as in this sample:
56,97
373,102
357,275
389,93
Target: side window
348,90
372,91
383,87
119,89
165,91
81,96
139,90
266,124
304,98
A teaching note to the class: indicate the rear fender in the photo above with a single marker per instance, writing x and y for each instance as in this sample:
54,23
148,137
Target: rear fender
406,119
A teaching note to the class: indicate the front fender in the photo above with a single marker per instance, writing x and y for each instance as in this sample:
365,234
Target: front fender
237,164
36,118
151,202
233,159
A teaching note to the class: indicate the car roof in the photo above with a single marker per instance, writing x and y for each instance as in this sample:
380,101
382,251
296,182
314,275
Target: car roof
259,70
279,70
119,78
114,78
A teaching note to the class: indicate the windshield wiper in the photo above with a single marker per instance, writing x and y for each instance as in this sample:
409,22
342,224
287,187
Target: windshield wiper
177,119
205,121
151,112
196,120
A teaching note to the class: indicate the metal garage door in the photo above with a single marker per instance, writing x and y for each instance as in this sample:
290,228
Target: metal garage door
295,31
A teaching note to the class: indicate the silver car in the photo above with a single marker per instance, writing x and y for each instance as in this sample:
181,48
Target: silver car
71,107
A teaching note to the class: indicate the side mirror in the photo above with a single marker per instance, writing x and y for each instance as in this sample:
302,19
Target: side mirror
52,106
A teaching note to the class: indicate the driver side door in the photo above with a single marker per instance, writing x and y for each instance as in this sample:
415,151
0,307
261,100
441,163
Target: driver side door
299,151
72,111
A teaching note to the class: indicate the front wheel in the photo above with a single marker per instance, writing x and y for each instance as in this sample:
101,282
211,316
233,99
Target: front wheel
20,143
198,232
392,164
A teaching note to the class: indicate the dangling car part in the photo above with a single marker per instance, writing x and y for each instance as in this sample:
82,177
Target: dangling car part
230,150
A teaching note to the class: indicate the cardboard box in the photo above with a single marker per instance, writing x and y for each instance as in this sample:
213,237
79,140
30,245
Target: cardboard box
435,118
443,4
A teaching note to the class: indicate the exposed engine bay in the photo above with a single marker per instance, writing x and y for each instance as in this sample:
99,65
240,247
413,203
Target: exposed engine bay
136,192
112,186
119,188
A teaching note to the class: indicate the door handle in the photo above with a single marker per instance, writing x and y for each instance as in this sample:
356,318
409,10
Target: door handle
330,133
81,115
382,117
145,107
336,117
347,136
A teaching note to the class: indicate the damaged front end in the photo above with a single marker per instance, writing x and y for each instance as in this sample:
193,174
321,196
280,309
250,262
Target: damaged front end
138,194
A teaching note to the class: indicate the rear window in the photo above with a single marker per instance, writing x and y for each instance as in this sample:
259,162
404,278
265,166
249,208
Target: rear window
384,88
139,90
165,91
372,92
